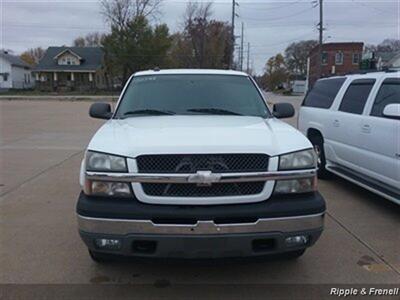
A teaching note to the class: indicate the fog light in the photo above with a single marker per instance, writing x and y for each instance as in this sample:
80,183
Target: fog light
108,244
296,240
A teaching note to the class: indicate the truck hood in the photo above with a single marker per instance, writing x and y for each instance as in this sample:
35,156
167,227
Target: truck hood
134,136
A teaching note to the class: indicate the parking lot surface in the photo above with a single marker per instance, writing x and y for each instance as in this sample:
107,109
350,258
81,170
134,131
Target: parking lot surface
41,147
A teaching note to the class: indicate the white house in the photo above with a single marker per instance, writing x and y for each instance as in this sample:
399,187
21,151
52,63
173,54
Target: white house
14,72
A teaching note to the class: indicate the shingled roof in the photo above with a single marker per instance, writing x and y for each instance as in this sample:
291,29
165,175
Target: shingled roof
92,58
14,60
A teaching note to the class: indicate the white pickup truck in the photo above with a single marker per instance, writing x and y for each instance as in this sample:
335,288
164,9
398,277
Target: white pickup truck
354,125
192,164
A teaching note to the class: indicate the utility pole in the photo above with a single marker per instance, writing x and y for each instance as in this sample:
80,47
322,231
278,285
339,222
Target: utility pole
321,31
234,3
232,34
241,48
248,58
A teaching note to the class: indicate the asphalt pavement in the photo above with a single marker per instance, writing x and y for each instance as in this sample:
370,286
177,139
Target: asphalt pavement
41,147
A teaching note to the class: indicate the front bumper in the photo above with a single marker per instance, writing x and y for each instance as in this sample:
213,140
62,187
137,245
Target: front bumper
201,231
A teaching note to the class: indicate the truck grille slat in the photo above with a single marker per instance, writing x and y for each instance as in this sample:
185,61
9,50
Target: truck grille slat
193,190
191,163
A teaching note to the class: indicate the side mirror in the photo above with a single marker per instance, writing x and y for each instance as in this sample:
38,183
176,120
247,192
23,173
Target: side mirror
100,111
392,111
283,110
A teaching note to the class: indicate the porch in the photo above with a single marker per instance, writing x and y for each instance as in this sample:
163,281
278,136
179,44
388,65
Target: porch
69,81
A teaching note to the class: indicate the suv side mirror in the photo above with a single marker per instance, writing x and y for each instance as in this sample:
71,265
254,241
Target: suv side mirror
100,111
392,111
283,110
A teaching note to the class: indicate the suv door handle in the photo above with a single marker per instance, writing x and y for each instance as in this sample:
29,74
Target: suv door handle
366,128
336,123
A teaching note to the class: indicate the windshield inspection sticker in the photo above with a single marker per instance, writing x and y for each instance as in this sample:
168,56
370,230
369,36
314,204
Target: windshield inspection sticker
371,291
145,78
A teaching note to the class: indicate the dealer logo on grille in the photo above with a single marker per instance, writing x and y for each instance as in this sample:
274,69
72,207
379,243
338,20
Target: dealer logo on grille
204,178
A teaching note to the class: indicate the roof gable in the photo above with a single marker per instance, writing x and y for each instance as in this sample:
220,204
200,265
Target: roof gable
67,51
14,60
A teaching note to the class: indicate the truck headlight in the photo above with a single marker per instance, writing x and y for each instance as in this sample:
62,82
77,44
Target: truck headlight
113,189
305,159
303,185
102,162
96,161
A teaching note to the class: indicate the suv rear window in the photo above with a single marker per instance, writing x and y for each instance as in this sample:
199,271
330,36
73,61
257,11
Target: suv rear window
356,96
323,93
389,93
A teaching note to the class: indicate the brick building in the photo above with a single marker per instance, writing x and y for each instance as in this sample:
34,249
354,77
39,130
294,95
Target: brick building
337,59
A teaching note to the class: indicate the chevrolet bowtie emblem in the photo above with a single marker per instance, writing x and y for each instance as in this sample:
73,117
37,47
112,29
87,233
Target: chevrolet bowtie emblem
204,178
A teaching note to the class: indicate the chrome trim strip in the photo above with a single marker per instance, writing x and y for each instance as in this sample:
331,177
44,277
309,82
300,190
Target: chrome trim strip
188,178
126,226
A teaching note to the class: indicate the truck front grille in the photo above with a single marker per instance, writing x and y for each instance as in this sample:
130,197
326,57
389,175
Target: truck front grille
191,163
194,190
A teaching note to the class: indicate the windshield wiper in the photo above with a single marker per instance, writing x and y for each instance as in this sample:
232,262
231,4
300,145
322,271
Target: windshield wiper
214,111
151,112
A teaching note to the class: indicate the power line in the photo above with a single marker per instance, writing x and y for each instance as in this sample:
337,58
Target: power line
280,18
271,8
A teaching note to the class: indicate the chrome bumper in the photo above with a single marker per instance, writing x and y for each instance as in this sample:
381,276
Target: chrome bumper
125,226
205,178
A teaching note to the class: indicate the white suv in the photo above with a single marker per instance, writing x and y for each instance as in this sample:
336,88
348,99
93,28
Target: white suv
193,164
354,124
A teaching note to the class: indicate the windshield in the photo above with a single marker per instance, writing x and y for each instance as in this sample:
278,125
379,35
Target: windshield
185,94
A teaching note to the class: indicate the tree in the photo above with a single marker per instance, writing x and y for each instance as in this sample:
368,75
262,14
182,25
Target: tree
136,47
33,55
93,39
203,43
296,55
275,72
119,13
389,45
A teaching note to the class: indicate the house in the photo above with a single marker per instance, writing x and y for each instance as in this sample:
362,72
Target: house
71,69
14,72
337,59
387,60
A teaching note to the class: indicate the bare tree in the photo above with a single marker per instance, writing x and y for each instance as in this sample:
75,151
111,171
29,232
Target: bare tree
33,55
203,41
120,12
93,39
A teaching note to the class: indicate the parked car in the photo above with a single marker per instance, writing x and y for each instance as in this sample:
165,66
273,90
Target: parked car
192,164
354,124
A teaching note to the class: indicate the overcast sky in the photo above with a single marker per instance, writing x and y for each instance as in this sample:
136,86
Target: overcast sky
269,25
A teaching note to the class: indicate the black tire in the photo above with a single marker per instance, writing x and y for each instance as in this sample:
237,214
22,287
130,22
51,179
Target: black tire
100,257
318,144
294,254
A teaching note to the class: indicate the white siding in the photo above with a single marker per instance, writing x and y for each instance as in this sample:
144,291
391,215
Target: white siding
21,78
5,67
68,59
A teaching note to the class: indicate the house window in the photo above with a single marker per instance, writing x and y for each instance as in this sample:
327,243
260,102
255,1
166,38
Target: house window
356,58
68,60
69,77
324,58
339,58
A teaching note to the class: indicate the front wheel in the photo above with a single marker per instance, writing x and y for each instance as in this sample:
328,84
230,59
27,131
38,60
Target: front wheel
318,144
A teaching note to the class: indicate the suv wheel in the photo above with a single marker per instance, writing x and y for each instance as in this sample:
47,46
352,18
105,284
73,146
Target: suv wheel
318,144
